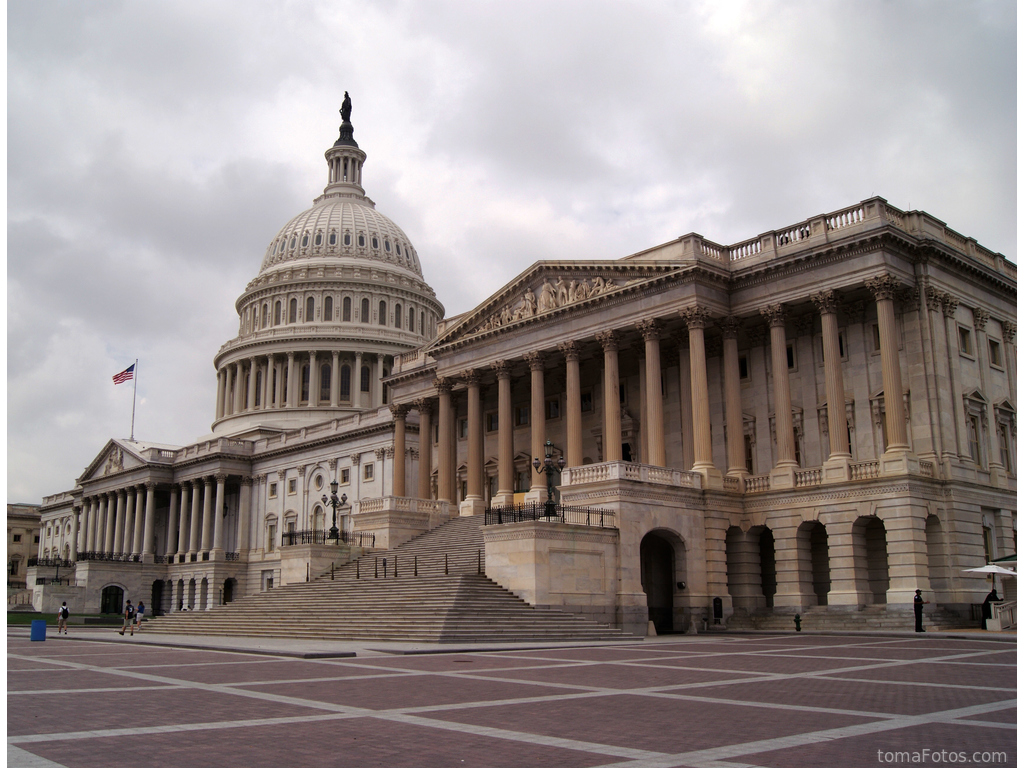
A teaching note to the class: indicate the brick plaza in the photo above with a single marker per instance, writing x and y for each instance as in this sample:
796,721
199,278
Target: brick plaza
726,701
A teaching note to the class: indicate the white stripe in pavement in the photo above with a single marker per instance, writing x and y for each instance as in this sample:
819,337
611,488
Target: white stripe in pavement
19,758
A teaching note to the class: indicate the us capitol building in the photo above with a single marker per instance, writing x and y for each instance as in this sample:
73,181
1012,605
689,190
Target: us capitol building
819,418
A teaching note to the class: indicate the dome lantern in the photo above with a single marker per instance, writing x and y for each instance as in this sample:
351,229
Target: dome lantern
345,159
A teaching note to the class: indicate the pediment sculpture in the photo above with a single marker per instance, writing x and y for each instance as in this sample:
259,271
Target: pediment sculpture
115,461
552,295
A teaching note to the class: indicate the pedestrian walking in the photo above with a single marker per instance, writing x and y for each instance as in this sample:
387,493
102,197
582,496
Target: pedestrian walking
140,610
919,604
62,618
129,619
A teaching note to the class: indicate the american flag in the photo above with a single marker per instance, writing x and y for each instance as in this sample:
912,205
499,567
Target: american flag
125,375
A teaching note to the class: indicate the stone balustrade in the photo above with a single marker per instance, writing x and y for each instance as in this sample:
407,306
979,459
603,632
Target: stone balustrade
624,470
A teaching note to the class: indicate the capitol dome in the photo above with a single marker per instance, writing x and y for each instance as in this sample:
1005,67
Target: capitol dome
338,295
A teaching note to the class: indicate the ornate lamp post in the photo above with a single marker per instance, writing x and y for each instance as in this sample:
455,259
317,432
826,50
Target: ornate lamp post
335,502
550,467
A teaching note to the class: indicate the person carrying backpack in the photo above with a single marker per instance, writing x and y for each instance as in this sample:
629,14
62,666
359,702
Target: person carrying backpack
129,619
62,618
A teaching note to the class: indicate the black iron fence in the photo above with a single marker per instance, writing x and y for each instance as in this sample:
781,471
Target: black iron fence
556,513
358,538
51,561
110,557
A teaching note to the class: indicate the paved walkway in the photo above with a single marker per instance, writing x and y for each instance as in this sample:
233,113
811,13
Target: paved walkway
94,699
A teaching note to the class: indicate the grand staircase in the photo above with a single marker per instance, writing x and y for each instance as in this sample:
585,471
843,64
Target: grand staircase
867,618
430,589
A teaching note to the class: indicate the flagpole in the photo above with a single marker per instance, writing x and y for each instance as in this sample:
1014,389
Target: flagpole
135,386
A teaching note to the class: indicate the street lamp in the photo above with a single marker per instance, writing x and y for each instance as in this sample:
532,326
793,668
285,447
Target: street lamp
549,467
335,502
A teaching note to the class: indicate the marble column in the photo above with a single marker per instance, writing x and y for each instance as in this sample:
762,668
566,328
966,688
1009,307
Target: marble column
76,513
474,503
506,454
172,524
357,382
685,399
87,524
149,521
573,405
244,516
314,381
426,441
110,521
218,518
783,473
837,467
538,486
206,531
446,433
183,522
655,415
220,395
251,405
737,462
335,380
118,543
197,512
612,441
398,467
138,523
293,380
703,461
239,404
268,383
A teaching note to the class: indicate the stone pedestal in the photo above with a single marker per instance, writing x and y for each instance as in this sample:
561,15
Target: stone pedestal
836,470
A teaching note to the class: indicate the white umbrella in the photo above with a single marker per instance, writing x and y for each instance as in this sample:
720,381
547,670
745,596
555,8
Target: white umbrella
991,569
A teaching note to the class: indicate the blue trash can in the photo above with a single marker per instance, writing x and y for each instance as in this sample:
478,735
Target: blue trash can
38,629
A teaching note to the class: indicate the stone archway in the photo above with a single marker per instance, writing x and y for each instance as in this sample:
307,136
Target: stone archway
662,567
870,560
112,599
812,557
156,600
229,590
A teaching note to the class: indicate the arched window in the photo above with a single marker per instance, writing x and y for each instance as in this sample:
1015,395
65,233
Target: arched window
325,383
277,313
398,315
333,238
293,311
364,379
364,311
328,309
305,384
348,239
412,319
259,388
319,239
346,309
362,241
422,323
310,309
382,313
346,383
266,316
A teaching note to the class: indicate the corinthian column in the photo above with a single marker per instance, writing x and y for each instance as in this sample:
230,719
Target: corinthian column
733,401
218,518
538,486
506,470
612,414
314,381
292,377
149,521
426,441
655,418
445,432
782,475
837,467
398,467
335,380
119,524
703,461
573,405
474,503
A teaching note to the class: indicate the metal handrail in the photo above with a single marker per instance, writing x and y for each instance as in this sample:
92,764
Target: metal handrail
560,513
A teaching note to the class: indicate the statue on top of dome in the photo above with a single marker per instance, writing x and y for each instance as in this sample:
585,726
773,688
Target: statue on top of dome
346,108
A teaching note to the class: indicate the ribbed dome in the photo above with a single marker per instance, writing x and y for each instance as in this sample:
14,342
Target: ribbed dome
341,228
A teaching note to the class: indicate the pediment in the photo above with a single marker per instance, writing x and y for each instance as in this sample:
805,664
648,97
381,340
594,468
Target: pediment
114,458
549,289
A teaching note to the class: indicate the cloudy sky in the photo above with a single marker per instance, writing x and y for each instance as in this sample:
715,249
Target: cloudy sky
154,149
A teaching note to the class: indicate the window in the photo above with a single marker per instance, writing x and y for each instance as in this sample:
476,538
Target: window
17,538
876,339
744,368
966,348
35,539
271,540
973,438
382,313
310,310
1005,454
364,379
277,313
552,408
622,393
293,311
748,452
362,241
318,482
435,432
305,239
586,400
463,428
333,238
14,567
346,383
387,246
790,356
348,239
373,242
398,315
367,471
422,323
304,395
328,308
522,413
319,239
364,311
522,482
293,486
273,491
492,421
995,354
346,474
266,316
412,319
325,383
346,309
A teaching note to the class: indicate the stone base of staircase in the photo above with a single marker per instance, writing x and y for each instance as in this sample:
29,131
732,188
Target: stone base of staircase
858,619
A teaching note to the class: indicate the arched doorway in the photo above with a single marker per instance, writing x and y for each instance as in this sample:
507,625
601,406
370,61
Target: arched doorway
658,568
156,600
111,600
750,567
815,577
871,559
769,580
229,590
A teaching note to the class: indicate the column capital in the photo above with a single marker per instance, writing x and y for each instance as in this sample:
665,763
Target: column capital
399,411
291,355
443,384
332,463
220,477
609,340
980,319
502,369
650,329
695,317
247,480
470,377
730,327
774,315
949,305
355,458
301,469
826,302
883,287
571,350
150,485
424,405
1009,331
535,360
208,481
934,298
